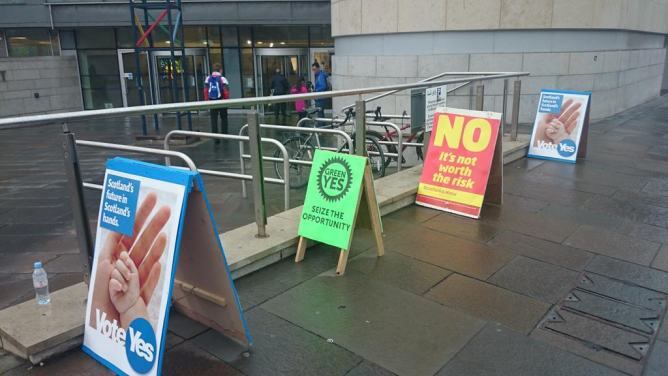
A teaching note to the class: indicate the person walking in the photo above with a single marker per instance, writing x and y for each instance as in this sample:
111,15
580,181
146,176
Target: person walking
216,87
320,85
279,86
300,88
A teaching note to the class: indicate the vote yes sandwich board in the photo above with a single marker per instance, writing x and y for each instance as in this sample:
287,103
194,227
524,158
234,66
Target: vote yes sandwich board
156,245
340,196
463,149
561,126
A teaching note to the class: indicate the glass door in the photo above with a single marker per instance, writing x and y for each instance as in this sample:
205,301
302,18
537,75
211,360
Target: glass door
292,62
127,63
185,74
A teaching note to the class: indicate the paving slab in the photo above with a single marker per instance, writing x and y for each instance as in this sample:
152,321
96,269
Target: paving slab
183,326
546,282
644,197
497,351
613,244
383,324
367,368
632,273
266,283
528,223
543,250
461,227
656,186
75,362
188,359
489,302
449,252
657,363
401,271
582,216
644,231
412,214
281,348
8,361
661,259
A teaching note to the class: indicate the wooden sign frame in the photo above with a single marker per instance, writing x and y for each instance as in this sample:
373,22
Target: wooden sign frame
366,217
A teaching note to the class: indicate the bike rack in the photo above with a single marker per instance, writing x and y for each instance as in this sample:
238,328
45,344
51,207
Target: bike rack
243,156
242,176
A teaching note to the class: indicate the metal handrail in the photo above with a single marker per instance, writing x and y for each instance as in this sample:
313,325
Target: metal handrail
243,177
229,103
139,149
243,156
485,76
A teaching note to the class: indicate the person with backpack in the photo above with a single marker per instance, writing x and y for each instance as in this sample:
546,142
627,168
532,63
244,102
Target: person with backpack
300,106
216,87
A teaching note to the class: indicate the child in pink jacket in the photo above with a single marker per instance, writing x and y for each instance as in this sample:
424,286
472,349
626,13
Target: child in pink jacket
300,106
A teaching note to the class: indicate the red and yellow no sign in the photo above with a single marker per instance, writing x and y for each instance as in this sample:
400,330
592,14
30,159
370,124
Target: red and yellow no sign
458,162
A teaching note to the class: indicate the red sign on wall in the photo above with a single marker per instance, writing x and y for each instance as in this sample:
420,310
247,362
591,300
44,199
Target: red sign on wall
459,158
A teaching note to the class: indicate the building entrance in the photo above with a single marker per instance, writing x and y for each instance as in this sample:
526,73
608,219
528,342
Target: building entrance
292,62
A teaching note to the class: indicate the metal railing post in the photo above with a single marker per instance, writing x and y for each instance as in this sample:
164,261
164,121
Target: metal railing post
255,147
360,127
517,90
480,97
75,188
504,104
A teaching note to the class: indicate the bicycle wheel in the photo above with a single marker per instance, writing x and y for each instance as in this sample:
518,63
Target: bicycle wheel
374,152
298,149
386,148
376,157
418,149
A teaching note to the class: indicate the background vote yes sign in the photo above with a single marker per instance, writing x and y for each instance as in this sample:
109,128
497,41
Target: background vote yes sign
458,161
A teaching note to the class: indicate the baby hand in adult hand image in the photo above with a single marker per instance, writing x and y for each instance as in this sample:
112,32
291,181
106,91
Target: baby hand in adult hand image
143,249
550,126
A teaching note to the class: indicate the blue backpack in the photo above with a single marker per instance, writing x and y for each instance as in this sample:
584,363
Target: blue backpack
214,87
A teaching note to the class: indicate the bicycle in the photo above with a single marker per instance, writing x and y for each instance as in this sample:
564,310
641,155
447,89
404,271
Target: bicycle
374,149
390,135
299,148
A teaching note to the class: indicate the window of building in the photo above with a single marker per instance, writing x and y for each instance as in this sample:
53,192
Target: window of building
195,36
67,40
280,36
29,42
125,37
247,72
213,35
321,36
230,37
245,36
99,79
95,38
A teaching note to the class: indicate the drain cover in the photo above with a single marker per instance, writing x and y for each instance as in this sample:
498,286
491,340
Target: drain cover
606,320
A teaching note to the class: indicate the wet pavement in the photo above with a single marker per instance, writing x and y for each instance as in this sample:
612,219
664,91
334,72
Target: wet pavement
569,277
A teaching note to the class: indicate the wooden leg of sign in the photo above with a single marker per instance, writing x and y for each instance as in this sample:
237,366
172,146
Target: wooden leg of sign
343,261
494,191
374,213
301,249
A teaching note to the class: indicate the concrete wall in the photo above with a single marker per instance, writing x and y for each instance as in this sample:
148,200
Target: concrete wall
621,68
355,17
55,78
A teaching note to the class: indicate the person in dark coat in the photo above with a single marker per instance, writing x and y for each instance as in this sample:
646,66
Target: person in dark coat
279,86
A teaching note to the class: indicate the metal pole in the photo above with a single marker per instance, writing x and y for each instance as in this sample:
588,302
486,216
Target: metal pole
255,146
505,107
471,95
480,97
360,127
517,90
75,188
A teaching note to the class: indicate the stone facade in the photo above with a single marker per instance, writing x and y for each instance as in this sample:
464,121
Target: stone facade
620,68
54,78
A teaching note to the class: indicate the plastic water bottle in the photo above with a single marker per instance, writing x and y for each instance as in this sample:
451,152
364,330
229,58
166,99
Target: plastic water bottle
41,283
